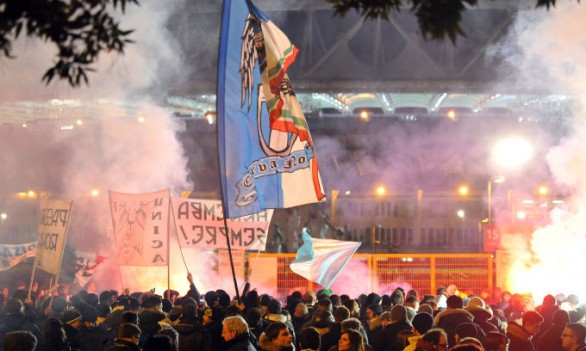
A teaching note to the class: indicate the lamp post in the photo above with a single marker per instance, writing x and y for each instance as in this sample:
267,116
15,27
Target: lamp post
495,179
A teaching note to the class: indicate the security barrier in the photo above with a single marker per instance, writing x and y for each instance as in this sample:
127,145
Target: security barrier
380,273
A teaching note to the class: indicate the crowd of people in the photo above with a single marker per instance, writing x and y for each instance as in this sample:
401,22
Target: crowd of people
322,321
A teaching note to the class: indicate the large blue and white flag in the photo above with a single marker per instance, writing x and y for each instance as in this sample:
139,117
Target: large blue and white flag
267,159
321,260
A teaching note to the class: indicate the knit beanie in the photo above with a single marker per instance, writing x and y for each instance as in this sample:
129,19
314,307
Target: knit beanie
422,322
425,308
399,313
70,316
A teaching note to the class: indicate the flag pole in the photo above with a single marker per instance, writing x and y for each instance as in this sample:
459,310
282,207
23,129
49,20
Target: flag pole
168,250
178,239
115,246
230,255
221,48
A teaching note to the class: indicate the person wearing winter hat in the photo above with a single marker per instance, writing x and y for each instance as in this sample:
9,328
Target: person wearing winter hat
422,322
14,319
19,340
482,314
398,323
452,316
468,330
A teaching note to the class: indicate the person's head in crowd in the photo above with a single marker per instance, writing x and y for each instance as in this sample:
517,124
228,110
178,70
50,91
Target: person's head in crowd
309,298
323,293
274,307
167,305
374,311
532,321
19,341
341,313
351,323
412,302
397,297
436,338
362,300
573,337
223,298
412,292
353,307
325,304
233,310
264,299
14,307
251,299
467,347
106,297
351,340
89,317
212,315
410,313
278,334
310,339
426,307
398,313
54,333
426,298
92,299
455,301
467,330
386,302
171,333
422,322
470,340
153,302
103,311
129,317
188,312
233,326
494,341
301,310
211,298
373,299
322,319
132,305
335,299
561,317
129,332
71,318
386,319
253,317
159,343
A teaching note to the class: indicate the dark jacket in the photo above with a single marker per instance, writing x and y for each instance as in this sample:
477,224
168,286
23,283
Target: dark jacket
122,345
92,339
16,322
148,321
239,343
391,332
450,319
192,336
520,339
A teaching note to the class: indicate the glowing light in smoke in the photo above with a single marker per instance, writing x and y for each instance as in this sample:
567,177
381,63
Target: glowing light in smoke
364,115
381,190
95,192
521,215
543,190
140,119
463,190
79,122
451,115
512,152
3,216
461,213
347,192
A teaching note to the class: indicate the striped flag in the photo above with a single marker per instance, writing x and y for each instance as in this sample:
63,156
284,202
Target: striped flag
321,260
267,156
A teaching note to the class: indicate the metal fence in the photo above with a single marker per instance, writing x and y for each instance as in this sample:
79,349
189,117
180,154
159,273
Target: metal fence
367,273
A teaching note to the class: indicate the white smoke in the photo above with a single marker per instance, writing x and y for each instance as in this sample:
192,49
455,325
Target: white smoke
547,51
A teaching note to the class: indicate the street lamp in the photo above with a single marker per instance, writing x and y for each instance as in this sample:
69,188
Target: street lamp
495,179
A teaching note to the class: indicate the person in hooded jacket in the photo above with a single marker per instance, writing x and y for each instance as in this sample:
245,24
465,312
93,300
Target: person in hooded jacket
92,337
520,335
192,336
15,320
477,307
54,338
551,339
275,314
